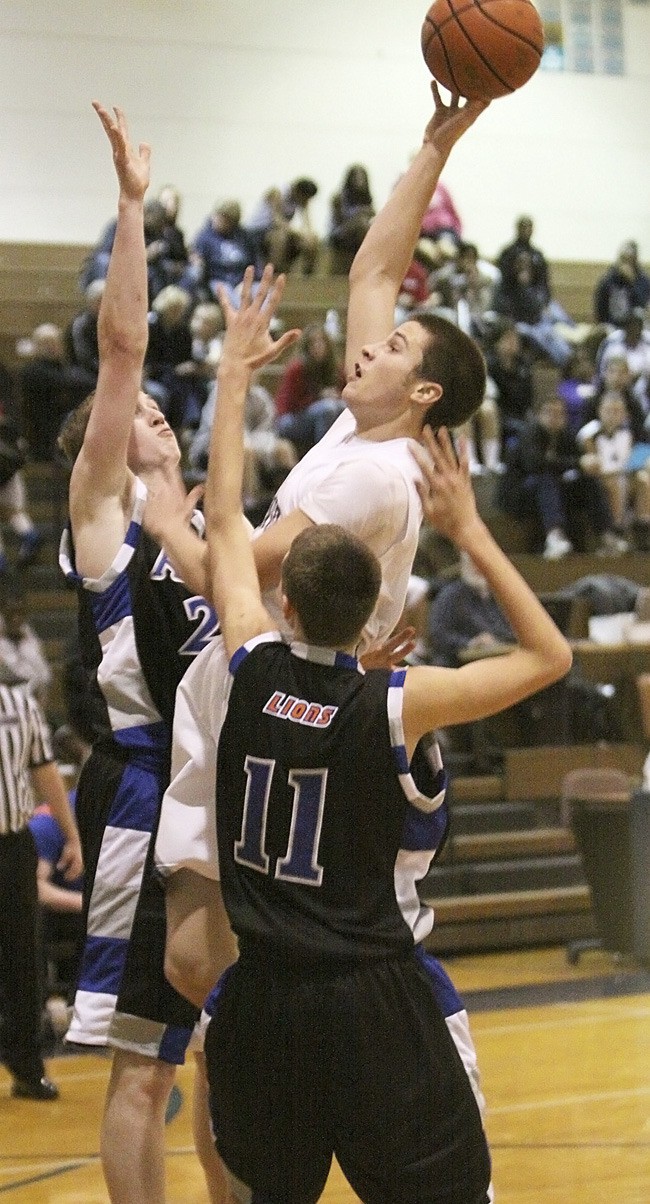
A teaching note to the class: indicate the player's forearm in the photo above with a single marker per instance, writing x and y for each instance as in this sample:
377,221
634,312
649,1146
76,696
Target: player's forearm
388,246
223,489
122,325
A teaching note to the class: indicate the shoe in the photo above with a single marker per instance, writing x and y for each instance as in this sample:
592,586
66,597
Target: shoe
29,545
557,545
40,1089
612,544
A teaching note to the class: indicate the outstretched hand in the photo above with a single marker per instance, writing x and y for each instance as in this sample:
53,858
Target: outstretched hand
132,166
248,335
169,503
391,654
450,121
446,492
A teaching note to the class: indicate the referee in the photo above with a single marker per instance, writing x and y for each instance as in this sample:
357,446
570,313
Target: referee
27,771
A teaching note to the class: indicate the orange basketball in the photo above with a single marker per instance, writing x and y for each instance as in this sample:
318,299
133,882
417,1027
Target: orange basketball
482,48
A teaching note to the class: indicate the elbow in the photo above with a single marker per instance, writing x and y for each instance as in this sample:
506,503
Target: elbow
559,664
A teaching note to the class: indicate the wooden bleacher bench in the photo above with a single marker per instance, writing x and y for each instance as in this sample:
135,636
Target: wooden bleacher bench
466,909
39,283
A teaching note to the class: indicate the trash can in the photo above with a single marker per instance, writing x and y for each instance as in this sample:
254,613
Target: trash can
640,873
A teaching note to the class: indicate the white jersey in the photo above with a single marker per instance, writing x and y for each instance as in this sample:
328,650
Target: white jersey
370,489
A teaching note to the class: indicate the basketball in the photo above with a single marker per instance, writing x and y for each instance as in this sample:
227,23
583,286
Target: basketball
482,49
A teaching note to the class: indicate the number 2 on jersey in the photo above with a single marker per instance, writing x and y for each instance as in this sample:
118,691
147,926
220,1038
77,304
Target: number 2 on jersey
300,862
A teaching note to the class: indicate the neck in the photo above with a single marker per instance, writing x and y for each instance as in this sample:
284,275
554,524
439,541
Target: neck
405,426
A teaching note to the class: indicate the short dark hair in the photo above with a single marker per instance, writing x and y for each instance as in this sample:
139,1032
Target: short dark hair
454,361
332,580
73,430
304,188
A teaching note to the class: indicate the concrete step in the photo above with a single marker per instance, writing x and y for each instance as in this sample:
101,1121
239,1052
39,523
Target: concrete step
500,905
489,818
483,846
449,878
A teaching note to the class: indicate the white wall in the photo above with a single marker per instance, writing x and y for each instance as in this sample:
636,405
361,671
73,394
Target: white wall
236,96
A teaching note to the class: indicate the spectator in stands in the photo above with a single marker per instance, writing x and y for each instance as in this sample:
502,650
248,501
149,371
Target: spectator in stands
283,228
206,327
21,649
50,387
521,248
176,253
82,335
268,457
13,493
222,251
577,387
465,616
544,479
442,221
623,288
170,345
308,397
467,284
633,342
524,294
510,370
607,443
415,292
617,380
351,212
162,249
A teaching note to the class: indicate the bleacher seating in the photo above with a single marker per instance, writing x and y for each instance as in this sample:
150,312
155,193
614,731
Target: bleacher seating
511,874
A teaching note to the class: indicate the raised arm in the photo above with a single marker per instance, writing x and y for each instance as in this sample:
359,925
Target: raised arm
440,697
381,262
100,475
235,588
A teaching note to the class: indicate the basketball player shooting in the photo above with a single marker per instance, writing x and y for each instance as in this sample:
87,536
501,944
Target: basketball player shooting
320,769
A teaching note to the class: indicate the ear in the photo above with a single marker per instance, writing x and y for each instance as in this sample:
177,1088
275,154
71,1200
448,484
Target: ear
425,393
288,611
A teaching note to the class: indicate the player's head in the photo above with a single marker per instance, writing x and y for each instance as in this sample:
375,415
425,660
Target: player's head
454,361
331,582
152,440
426,371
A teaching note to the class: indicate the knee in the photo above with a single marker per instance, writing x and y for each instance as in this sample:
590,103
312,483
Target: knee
142,1084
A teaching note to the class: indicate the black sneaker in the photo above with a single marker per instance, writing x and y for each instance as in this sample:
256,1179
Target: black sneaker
41,1089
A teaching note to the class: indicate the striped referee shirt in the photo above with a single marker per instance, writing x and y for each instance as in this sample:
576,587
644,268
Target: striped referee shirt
25,743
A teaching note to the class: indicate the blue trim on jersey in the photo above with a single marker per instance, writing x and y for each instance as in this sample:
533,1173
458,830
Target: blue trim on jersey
102,964
136,802
211,1002
343,660
424,829
173,1045
446,995
397,678
113,604
148,740
267,637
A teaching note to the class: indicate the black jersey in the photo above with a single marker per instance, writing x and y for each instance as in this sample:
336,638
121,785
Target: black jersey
139,627
316,805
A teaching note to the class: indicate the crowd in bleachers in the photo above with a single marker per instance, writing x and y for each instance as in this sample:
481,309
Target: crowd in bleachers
566,446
